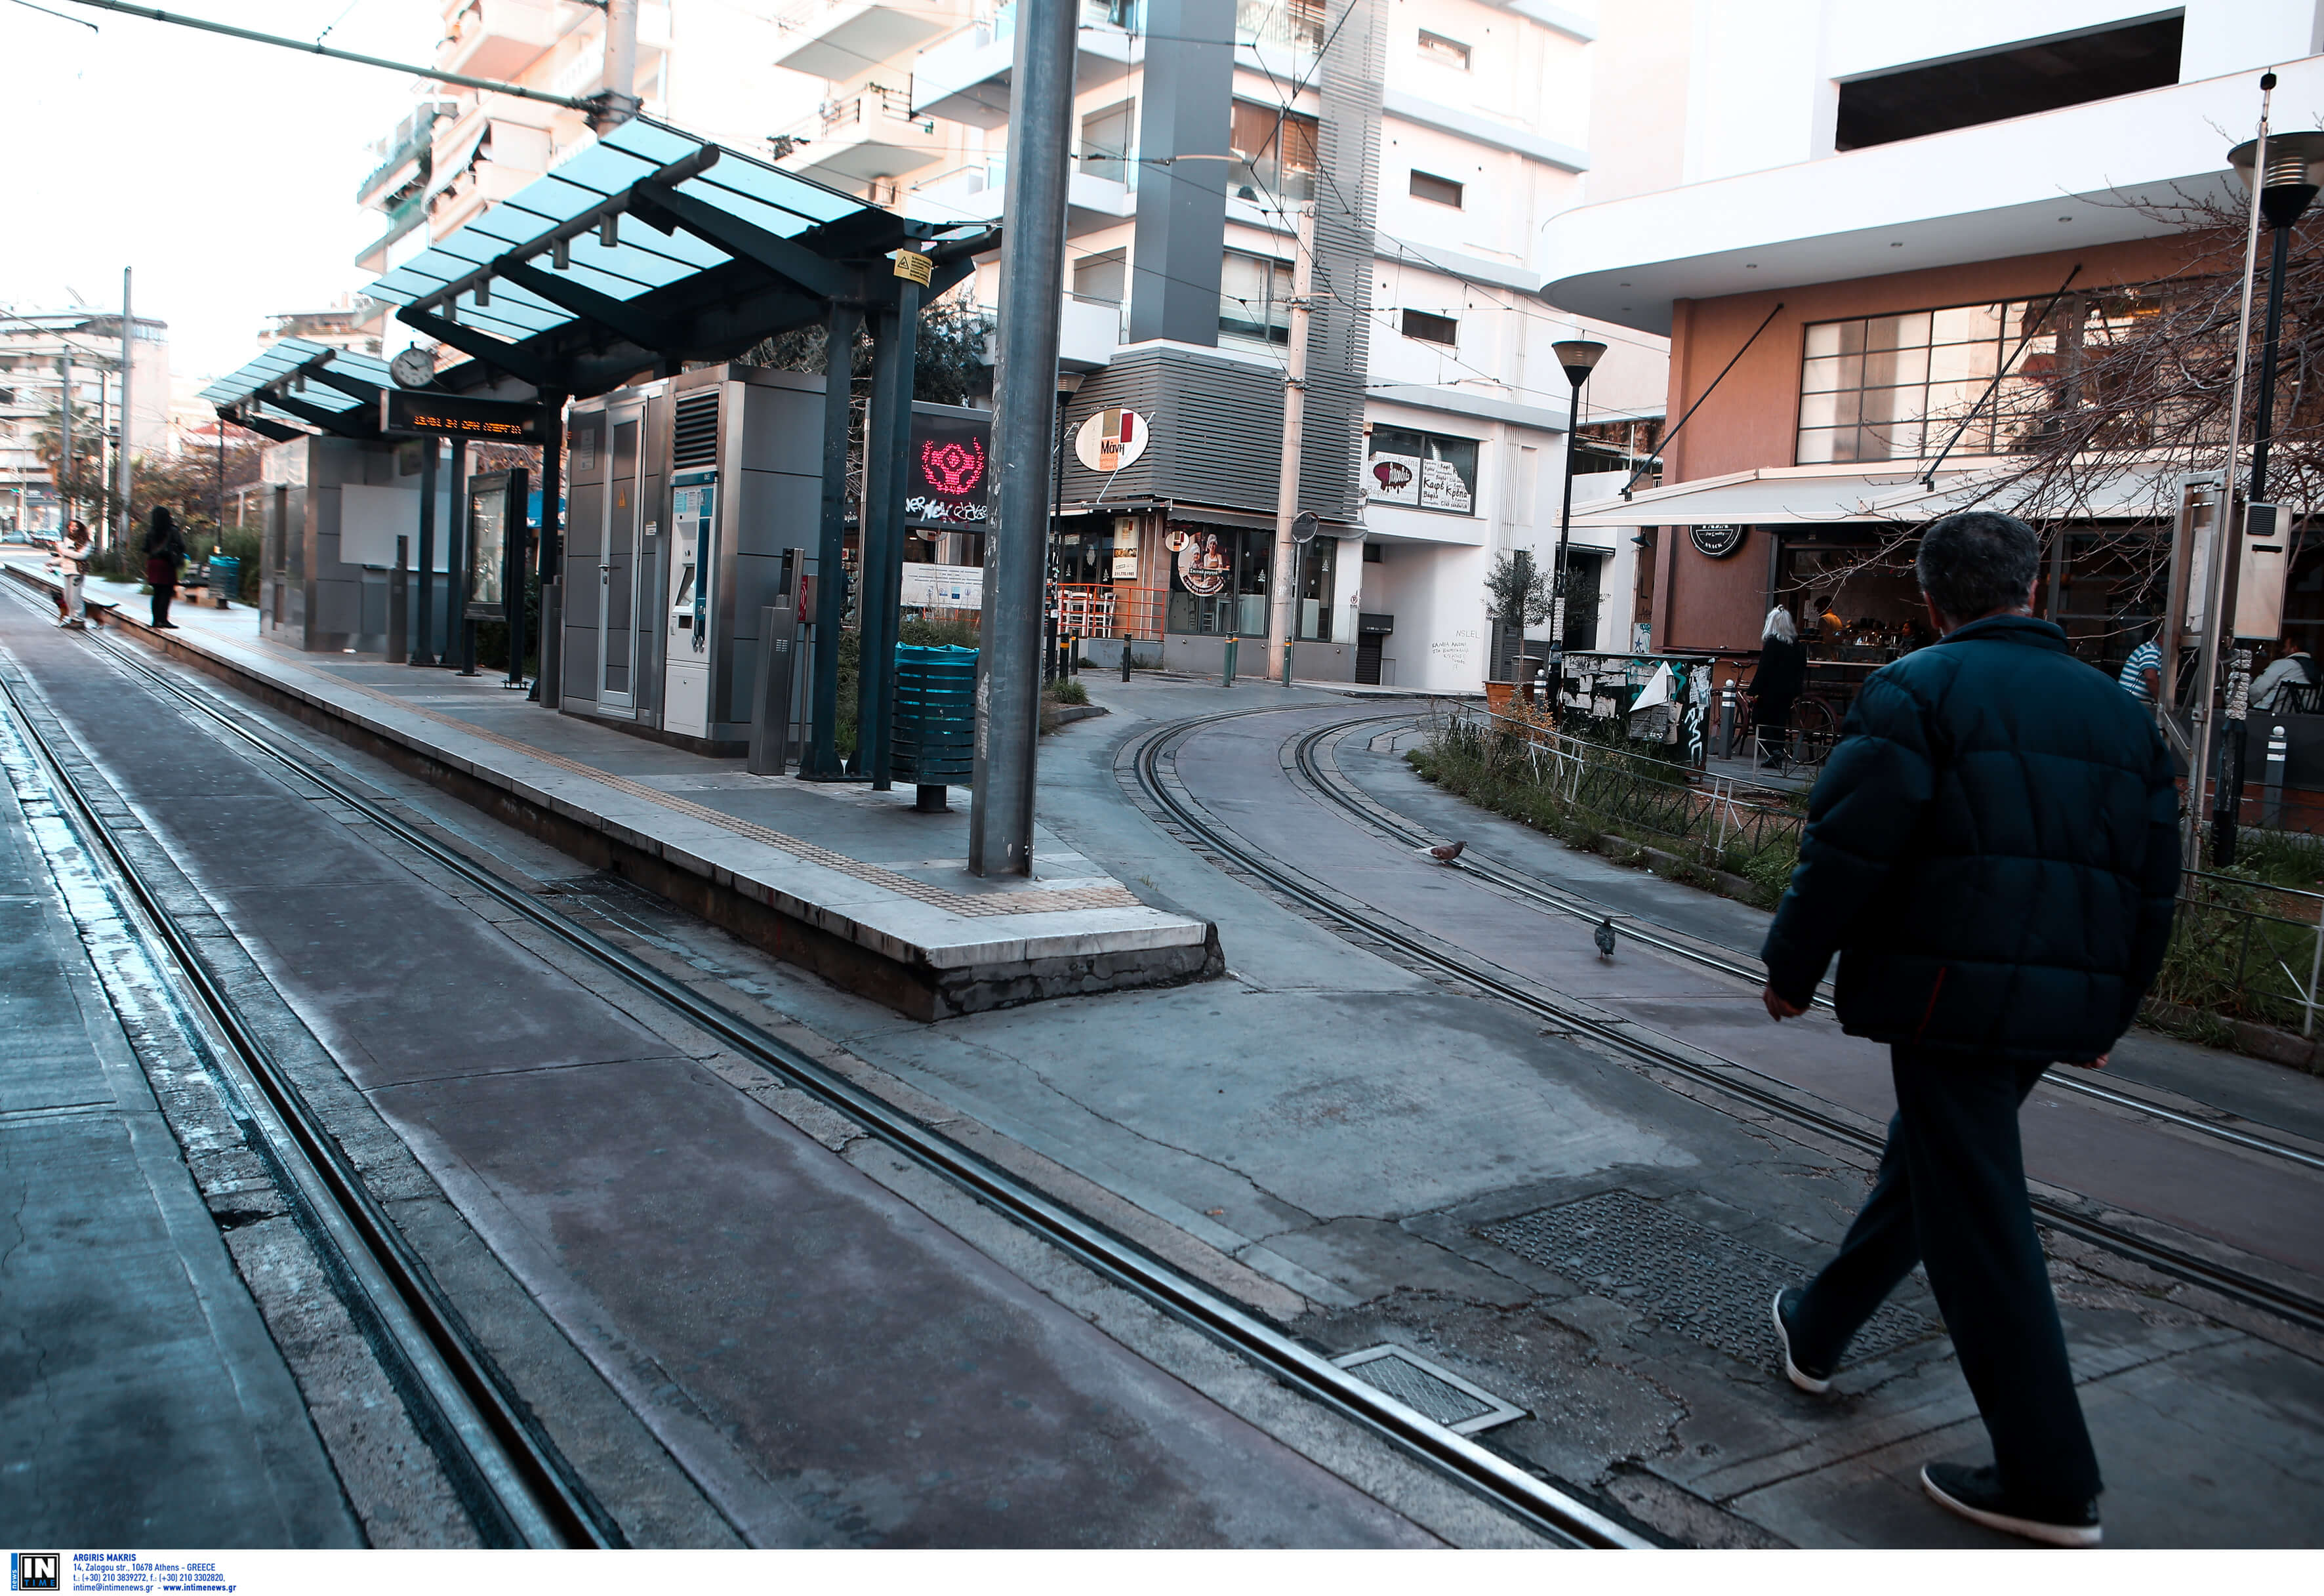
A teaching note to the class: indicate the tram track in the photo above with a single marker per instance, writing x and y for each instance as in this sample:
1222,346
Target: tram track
1333,787
552,1505
1153,763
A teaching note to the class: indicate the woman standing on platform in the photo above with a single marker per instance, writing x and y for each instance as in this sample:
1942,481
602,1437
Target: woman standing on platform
165,551
1776,685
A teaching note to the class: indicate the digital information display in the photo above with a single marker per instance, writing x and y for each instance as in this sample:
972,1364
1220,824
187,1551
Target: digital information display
450,416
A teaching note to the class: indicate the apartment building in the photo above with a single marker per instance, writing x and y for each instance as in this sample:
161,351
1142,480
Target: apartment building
32,344
460,151
1908,229
1426,143
1423,144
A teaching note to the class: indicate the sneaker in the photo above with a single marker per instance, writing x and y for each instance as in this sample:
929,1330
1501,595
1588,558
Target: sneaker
1976,1494
1812,1381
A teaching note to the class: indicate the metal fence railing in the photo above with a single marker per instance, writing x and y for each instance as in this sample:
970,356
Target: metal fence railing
2247,949
2240,948
1723,817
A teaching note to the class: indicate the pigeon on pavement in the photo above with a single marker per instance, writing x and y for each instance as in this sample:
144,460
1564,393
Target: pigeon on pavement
1442,853
1604,937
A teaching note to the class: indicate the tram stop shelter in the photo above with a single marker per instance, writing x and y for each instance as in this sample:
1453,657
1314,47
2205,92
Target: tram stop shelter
647,252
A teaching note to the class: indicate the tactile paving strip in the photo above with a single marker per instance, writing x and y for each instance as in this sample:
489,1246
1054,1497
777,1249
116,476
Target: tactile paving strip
1695,1280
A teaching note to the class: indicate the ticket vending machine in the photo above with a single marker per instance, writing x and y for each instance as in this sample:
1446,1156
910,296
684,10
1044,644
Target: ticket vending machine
685,638
687,494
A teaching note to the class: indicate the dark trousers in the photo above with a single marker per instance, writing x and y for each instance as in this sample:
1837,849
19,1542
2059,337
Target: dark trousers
1951,1196
162,576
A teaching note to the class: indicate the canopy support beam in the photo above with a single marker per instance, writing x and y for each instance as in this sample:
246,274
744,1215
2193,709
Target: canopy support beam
504,358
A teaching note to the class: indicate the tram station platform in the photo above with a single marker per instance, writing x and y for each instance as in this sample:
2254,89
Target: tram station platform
852,884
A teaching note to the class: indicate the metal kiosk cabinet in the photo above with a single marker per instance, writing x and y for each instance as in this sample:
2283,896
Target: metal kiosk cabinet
685,495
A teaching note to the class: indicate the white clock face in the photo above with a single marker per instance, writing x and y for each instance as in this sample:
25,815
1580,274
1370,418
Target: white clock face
414,368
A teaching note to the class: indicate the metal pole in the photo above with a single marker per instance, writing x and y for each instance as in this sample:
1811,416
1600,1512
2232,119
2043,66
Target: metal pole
1557,583
121,449
2223,529
820,760
65,453
2229,803
460,636
1032,278
513,575
886,439
1282,620
103,535
423,649
620,98
546,686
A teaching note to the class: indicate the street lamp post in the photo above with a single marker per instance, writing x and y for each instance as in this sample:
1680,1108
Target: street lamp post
1579,357
2285,170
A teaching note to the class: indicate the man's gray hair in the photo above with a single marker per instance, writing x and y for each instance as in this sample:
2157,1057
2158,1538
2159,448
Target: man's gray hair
1978,563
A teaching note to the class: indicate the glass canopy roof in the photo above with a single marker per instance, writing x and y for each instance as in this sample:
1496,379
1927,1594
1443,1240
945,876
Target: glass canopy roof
278,361
642,259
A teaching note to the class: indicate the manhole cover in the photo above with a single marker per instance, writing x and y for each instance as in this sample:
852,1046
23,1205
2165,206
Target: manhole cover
1439,1393
1695,1280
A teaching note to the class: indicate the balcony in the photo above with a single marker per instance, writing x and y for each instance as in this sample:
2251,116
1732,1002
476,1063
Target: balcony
842,39
870,134
974,194
397,156
501,38
966,78
1088,333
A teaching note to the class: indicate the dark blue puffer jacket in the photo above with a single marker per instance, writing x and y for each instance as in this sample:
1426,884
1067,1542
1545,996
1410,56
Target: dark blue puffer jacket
1992,849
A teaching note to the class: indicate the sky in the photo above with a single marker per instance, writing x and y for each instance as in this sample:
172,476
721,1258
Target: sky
223,171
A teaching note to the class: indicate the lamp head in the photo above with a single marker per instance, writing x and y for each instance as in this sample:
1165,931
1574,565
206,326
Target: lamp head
1579,357
2295,170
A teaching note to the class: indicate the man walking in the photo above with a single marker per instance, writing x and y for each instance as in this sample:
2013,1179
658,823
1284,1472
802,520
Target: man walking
1993,853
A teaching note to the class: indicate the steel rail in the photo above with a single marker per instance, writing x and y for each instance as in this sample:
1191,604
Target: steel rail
2250,1289
1331,787
516,1486
1552,1512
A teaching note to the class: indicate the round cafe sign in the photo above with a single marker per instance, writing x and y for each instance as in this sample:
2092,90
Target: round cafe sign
1716,540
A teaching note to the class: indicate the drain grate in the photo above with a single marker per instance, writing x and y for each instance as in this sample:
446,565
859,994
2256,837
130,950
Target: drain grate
1694,1279
1420,1385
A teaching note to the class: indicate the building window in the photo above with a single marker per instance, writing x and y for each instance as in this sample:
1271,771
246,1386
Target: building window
1274,152
2017,81
1444,51
1898,387
1255,298
1218,581
1101,277
1319,560
1422,469
1431,329
1442,190
1106,143
1372,555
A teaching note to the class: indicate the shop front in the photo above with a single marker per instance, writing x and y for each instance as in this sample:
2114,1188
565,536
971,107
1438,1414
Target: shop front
1221,587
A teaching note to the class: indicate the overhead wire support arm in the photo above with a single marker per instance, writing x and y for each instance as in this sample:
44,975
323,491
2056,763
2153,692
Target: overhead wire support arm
1697,405
310,47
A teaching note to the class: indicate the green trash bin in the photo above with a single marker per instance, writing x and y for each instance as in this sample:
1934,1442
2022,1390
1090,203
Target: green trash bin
935,741
226,579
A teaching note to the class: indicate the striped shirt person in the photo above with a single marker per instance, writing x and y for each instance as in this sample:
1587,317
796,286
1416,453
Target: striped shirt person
2142,673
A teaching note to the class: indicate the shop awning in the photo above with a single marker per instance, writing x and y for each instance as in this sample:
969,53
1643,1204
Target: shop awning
1772,496
464,156
652,248
1895,495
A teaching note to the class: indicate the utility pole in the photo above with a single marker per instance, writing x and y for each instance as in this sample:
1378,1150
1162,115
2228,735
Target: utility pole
64,454
1025,393
1283,614
121,449
2219,604
617,101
